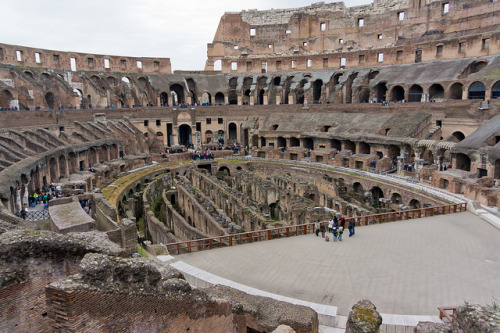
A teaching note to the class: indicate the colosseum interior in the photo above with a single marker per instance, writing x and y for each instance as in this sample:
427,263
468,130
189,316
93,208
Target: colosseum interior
111,167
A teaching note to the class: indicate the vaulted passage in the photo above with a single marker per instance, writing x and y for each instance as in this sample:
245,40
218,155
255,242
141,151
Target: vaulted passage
185,135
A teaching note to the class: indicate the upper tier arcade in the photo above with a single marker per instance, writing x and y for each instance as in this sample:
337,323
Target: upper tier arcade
42,58
331,36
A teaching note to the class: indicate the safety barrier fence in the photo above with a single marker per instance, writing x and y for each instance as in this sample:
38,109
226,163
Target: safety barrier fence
444,312
303,229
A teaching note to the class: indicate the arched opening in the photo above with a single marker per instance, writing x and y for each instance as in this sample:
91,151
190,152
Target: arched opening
358,188
179,94
459,135
349,145
232,131
396,198
364,148
232,94
477,90
415,94
261,97
5,99
103,154
159,136
364,94
463,162
281,142
334,143
393,151
114,152
263,142
225,170
381,91
219,98
376,193
246,97
436,91
185,135
456,91
209,137
495,90
53,170
206,99
50,100
317,91
497,169
255,140
414,204
294,142
276,80
163,99
73,163
111,81
218,65
309,143
397,94
62,166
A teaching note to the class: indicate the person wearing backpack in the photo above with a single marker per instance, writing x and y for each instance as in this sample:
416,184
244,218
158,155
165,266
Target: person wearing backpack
335,233
341,231
351,228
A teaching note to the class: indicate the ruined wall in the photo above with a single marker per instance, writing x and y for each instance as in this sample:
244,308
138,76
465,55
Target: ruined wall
319,36
10,54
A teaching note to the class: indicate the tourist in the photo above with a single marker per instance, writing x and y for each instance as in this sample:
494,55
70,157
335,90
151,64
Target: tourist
341,231
316,227
335,233
330,225
335,221
351,227
322,228
342,222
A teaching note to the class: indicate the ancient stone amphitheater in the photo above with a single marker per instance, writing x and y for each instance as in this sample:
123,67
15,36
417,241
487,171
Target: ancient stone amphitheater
387,112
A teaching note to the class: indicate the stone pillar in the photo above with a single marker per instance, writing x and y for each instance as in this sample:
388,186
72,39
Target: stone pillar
290,98
18,203
175,136
197,140
265,101
189,100
25,196
278,99
240,100
226,99
252,100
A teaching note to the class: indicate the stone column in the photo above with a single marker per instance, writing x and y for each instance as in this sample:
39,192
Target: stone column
265,101
240,100
252,100
278,99
175,135
25,196
290,98
18,203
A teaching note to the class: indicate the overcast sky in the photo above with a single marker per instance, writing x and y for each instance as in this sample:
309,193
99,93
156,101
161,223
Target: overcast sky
175,29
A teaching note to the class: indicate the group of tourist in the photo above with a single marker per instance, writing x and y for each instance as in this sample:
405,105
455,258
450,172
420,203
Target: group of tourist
200,155
336,227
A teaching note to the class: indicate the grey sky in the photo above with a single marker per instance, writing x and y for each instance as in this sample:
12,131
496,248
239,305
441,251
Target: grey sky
179,30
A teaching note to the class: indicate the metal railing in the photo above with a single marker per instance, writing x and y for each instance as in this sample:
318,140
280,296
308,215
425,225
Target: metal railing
303,229
37,215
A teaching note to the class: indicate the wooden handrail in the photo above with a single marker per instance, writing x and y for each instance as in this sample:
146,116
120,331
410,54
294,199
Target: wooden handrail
443,312
293,230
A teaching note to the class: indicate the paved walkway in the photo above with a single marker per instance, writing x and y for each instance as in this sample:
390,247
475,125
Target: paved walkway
409,267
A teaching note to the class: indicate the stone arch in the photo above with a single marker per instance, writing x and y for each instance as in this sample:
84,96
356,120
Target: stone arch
364,148
232,94
358,188
111,81
281,142
53,170
334,143
436,91
206,98
163,98
50,100
225,170
178,92
255,140
73,162
393,151
462,162
5,98
456,90
381,92
364,94
377,193
209,136
396,198
232,131
397,94
415,93
495,90
219,98
458,135
477,90
308,143
260,99
349,145
185,134
294,142
113,152
63,171
414,204
159,136
318,84
103,154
